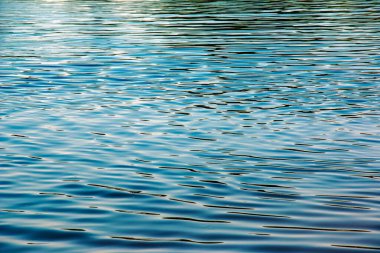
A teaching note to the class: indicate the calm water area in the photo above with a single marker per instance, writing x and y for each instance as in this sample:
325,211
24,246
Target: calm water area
189,126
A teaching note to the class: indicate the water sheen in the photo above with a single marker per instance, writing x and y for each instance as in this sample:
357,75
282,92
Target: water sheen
189,126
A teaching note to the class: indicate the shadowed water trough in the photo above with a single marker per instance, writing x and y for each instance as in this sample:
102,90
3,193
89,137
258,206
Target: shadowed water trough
189,126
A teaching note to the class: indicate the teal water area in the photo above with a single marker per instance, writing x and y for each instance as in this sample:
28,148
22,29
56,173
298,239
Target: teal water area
189,126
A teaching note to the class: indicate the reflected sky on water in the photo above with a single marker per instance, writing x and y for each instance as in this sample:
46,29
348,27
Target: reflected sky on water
189,126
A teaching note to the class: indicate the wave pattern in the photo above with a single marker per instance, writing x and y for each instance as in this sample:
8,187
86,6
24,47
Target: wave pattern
189,126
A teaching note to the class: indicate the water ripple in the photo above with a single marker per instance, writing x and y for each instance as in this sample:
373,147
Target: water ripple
189,126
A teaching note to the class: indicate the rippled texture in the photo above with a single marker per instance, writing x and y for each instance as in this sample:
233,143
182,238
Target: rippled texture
189,126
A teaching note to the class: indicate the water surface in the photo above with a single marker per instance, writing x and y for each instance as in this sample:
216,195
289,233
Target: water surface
189,126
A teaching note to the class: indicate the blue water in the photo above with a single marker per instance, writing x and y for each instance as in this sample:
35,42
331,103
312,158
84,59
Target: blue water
189,126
